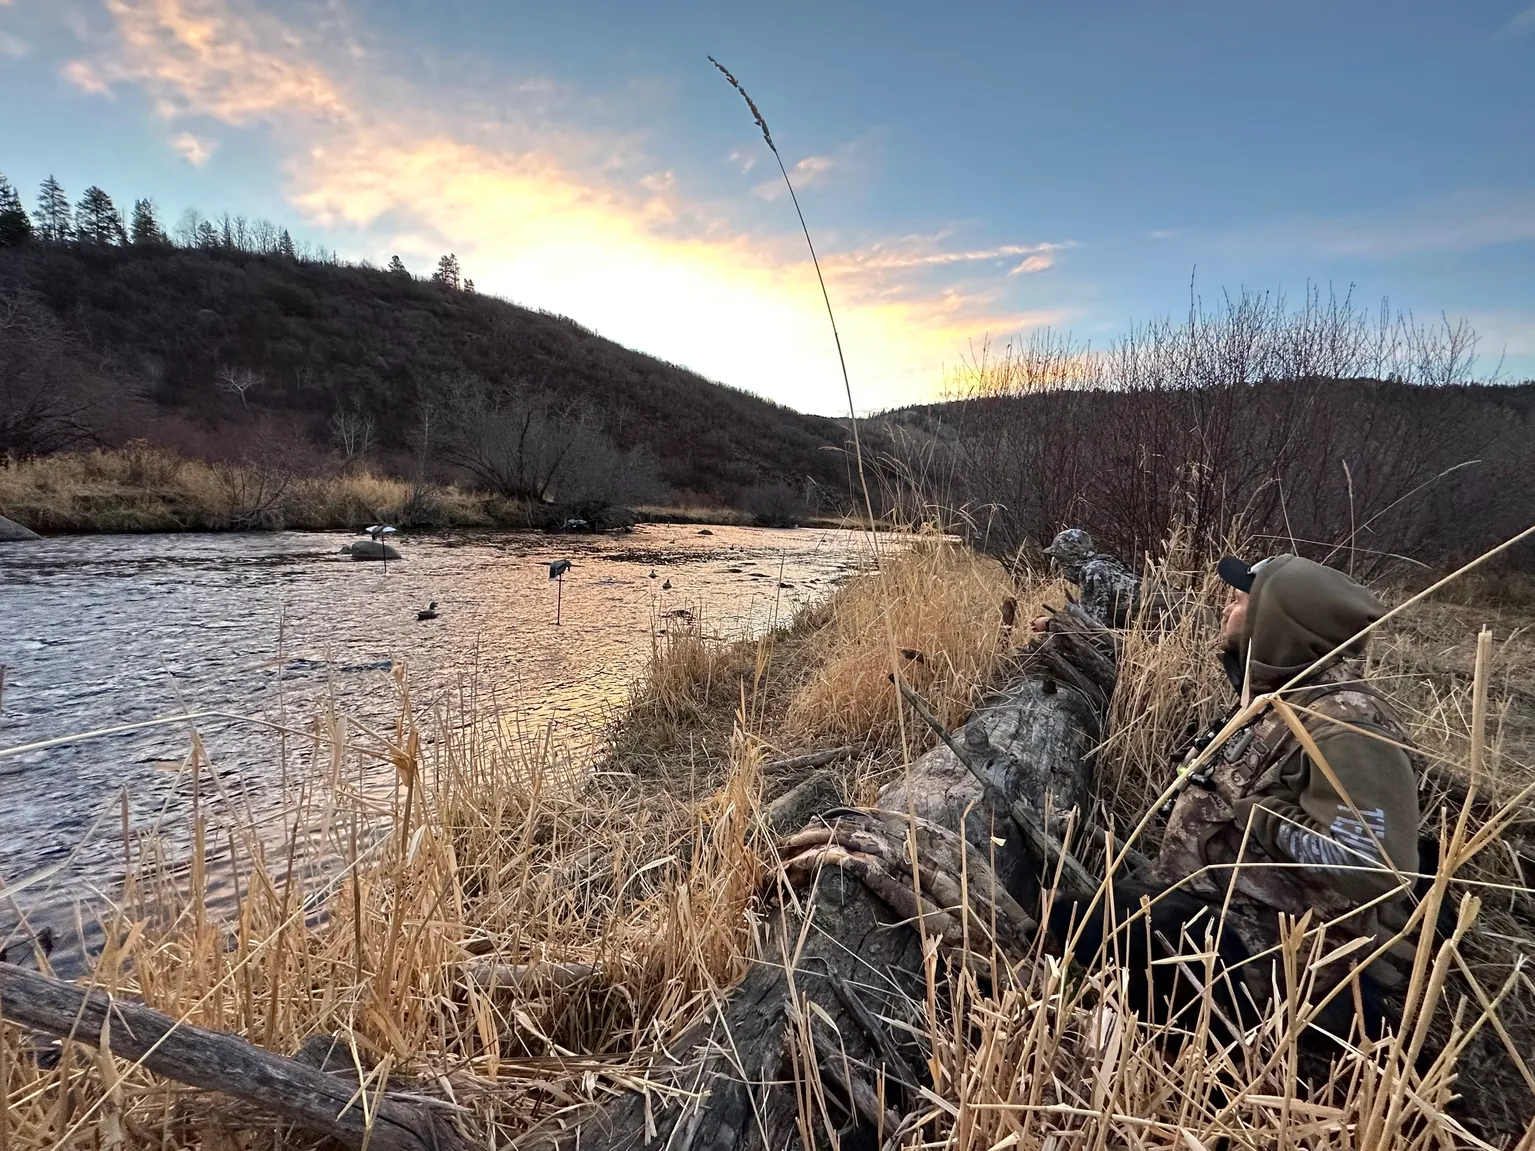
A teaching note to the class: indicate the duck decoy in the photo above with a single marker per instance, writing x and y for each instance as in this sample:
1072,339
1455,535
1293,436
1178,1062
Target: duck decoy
430,611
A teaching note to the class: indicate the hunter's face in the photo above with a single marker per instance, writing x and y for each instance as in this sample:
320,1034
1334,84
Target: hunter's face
1233,618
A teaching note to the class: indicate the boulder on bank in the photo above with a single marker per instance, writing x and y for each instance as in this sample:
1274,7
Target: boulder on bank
592,516
11,530
371,550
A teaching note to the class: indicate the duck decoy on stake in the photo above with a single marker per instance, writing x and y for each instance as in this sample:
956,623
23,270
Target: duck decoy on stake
666,586
374,548
430,611
557,572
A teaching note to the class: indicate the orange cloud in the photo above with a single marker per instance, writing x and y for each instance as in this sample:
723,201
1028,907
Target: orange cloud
552,220
200,56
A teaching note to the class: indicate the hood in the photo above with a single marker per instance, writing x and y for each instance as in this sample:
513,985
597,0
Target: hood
1298,612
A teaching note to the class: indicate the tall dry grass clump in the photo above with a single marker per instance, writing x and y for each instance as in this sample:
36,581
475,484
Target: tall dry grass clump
141,488
481,931
934,613
1170,684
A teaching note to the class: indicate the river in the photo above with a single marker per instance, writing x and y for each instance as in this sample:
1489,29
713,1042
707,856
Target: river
100,632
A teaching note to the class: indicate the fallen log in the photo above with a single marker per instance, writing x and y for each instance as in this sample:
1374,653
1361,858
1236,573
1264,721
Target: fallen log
294,1092
843,952
812,759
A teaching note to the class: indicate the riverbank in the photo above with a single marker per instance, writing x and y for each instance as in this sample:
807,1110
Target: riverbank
142,489
517,948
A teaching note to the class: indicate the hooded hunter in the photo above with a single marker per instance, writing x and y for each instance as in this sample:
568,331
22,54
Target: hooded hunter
1326,822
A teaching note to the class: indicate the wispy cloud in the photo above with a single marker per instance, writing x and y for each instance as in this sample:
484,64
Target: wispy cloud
929,252
1459,222
1456,223
545,207
13,46
811,172
1521,25
194,149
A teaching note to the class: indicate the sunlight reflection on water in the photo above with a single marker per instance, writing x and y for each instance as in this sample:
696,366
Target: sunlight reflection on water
109,630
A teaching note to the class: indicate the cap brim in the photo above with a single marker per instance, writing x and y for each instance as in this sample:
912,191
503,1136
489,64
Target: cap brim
1235,572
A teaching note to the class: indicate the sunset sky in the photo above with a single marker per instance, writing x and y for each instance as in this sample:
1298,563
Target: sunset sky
968,170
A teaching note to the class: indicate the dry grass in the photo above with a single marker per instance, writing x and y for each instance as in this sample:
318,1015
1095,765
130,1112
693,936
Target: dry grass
486,860
139,488
489,856
933,612
822,680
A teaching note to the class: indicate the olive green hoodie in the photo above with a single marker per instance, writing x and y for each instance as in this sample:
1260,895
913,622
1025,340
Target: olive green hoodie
1299,611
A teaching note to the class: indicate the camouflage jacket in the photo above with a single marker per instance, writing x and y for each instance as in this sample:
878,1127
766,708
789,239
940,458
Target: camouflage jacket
1110,590
1284,834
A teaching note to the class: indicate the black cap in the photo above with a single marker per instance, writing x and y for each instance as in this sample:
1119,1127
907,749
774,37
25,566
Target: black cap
1236,572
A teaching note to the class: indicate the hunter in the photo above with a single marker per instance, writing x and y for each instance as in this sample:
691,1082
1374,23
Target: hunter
1110,590
1266,823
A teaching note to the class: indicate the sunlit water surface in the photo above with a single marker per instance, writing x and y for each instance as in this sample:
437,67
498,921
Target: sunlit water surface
105,631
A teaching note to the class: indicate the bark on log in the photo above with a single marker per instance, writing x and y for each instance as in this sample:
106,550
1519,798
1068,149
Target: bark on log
852,880
216,1061
734,1064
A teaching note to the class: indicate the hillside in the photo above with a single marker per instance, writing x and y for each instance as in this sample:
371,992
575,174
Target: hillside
1383,471
211,351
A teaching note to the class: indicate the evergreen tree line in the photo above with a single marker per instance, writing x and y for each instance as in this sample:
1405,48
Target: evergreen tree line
96,219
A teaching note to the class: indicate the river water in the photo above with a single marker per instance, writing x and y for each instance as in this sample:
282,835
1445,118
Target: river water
101,632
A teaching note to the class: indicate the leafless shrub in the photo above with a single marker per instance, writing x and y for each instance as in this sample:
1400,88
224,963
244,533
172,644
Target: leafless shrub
525,443
50,400
1324,426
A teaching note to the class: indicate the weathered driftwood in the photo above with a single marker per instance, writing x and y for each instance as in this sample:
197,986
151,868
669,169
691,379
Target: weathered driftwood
811,759
816,793
292,1091
843,950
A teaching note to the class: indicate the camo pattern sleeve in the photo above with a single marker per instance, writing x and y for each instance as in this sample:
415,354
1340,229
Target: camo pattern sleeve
1356,840
1109,590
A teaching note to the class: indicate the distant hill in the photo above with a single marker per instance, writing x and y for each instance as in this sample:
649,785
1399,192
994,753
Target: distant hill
219,344
1367,470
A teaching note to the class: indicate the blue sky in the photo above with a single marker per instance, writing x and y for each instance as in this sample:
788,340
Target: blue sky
968,170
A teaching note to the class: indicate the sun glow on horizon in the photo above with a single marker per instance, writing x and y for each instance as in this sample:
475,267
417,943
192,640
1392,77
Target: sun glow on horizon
536,220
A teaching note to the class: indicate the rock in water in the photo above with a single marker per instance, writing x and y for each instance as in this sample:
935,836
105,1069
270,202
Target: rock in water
11,530
371,550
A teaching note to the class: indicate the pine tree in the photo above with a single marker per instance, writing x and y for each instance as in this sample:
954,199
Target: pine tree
207,235
15,224
469,286
447,272
285,246
146,228
397,266
52,214
97,220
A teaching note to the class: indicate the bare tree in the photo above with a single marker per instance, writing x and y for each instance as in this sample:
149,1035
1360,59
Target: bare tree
352,429
239,381
520,441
